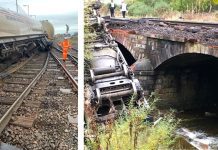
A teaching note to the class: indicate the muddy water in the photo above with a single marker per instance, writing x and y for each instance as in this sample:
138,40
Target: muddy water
199,128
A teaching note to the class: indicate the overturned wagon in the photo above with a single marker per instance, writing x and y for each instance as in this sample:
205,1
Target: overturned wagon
112,83
20,34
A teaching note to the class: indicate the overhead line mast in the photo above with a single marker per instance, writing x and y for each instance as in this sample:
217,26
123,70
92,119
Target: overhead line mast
16,6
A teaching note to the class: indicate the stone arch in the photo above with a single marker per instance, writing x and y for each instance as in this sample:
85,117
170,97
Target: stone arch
189,81
127,54
187,59
171,50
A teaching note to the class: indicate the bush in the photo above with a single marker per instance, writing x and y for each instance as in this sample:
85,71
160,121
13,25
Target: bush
160,137
139,9
161,7
130,131
149,8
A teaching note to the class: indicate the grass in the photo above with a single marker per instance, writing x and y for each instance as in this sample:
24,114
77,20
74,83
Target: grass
131,132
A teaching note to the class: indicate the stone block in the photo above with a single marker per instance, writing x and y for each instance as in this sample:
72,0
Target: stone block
150,82
140,37
158,86
142,46
159,81
133,40
132,36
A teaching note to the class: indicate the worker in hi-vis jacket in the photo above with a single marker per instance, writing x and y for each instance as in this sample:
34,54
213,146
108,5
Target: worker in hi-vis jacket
65,47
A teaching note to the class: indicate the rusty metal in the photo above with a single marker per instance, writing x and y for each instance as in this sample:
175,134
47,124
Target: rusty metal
7,116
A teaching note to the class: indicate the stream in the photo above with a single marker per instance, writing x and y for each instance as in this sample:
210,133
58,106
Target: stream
198,130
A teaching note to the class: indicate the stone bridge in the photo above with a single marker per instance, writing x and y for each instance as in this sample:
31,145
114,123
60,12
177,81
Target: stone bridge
182,72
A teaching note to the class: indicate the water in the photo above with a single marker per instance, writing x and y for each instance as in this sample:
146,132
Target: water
200,129
4,146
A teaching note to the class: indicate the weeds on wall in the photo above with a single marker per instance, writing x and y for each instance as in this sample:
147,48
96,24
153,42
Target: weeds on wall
89,36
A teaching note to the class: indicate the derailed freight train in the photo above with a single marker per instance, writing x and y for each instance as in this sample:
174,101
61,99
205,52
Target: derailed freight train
20,34
112,82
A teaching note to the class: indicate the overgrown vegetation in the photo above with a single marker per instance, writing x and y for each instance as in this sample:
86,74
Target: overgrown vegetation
90,35
161,8
131,131
148,7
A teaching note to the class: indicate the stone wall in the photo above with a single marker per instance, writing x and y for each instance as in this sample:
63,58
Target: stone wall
158,48
177,85
187,88
134,43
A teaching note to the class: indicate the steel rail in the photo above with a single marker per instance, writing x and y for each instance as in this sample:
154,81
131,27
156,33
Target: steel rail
74,49
7,116
70,77
117,20
12,70
209,24
74,58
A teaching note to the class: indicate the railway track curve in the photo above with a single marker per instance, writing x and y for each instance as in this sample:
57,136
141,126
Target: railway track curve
39,97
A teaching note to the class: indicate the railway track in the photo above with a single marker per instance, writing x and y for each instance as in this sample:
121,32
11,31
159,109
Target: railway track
70,64
158,20
39,105
72,55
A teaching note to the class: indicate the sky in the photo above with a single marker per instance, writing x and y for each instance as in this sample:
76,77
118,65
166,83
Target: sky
58,12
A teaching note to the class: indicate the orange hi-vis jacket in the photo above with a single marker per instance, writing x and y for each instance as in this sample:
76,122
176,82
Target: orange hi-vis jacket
65,46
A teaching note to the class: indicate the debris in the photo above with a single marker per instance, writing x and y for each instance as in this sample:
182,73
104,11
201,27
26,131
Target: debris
72,120
157,121
66,91
60,78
